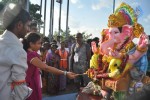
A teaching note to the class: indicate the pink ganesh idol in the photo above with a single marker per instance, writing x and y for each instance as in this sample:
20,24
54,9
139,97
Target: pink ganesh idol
122,59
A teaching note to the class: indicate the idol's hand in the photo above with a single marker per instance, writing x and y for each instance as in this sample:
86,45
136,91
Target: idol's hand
143,41
114,53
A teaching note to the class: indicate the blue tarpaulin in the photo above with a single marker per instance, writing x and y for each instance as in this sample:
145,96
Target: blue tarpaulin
71,96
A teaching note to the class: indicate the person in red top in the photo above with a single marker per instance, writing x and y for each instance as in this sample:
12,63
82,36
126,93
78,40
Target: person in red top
63,53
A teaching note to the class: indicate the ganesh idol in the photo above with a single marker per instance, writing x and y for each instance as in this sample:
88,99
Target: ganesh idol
119,65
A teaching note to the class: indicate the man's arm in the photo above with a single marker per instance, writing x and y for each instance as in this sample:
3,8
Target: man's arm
18,58
19,67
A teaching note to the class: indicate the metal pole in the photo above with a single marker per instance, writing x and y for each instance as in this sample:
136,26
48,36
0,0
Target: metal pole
52,18
41,7
40,13
59,26
113,6
67,33
50,21
44,17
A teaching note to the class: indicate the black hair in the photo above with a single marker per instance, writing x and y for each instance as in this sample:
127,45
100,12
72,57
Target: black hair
45,39
54,41
79,34
23,16
33,23
89,42
58,36
46,45
31,37
96,40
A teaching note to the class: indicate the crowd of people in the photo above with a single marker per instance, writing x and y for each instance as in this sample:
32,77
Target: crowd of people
25,57
20,62
72,55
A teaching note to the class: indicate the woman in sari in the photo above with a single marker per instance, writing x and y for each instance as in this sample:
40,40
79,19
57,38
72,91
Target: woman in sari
52,80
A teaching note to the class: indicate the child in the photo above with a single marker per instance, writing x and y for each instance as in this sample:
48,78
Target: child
31,44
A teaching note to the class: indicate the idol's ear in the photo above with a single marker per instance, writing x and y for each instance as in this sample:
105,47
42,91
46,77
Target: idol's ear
127,30
105,35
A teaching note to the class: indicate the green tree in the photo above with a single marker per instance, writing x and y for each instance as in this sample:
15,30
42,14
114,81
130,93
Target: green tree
63,34
33,10
86,36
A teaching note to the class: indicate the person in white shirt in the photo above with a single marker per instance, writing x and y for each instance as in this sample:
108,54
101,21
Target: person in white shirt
13,58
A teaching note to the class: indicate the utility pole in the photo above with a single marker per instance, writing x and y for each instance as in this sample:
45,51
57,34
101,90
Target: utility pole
40,13
113,6
44,17
51,20
67,33
59,26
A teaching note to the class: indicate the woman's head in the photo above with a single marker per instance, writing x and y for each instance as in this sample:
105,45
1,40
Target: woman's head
32,41
63,44
54,47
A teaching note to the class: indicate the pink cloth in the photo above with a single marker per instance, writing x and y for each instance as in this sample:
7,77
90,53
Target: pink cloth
33,77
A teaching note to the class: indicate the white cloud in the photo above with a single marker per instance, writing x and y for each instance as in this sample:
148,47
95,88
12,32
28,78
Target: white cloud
95,32
102,4
147,19
135,4
109,4
78,3
74,1
80,6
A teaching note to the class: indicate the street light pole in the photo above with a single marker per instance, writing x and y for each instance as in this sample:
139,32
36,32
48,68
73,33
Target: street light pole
52,17
44,17
59,26
40,13
67,33
51,20
113,6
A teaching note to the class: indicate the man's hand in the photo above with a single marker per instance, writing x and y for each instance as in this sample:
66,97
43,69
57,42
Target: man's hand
71,75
